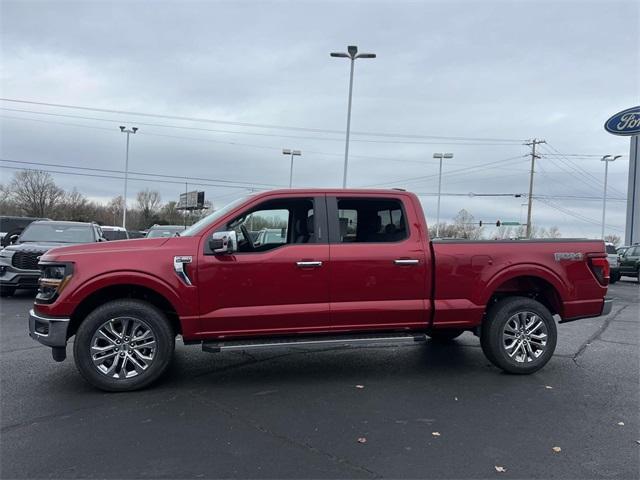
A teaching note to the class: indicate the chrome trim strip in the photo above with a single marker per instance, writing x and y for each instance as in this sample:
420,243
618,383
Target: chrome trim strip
345,341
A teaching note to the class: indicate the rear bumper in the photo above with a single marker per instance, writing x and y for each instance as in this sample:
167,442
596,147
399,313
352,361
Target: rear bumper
607,305
49,331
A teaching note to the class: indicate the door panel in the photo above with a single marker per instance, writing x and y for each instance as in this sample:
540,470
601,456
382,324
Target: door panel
377,284
253,293
276,283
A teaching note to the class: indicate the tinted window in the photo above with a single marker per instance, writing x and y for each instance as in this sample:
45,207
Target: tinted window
114,234
371,220
63,233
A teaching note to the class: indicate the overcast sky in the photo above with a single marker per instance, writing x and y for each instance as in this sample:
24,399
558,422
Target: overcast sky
507,71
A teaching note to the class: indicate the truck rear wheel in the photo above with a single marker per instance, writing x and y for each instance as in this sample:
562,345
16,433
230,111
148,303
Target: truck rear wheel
123,345
519,335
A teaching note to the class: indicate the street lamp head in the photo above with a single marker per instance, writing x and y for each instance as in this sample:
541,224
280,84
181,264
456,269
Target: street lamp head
437,155
135,129
617,157
353,50
448,155
366,55
605,158
286,151
122,128
340,55
296,152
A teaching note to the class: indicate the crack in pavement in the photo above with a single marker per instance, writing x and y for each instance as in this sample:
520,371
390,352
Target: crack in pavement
283,438
596,336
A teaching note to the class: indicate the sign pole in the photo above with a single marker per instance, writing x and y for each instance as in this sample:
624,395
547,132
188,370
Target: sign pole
632,230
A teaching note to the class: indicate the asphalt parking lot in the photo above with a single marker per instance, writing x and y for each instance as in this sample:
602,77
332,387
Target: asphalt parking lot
437,411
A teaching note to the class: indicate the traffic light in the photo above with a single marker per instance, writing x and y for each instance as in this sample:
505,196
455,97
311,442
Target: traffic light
498,223
480,223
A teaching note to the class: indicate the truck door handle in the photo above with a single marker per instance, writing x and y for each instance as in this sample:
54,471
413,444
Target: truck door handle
406,261
309,264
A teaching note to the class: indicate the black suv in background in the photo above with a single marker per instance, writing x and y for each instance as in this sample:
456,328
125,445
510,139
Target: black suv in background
19,261
11,227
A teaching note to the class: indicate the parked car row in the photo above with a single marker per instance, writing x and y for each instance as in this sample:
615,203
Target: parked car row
26,239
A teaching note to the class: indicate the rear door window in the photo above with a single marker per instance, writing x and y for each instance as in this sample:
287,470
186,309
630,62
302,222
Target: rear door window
370,220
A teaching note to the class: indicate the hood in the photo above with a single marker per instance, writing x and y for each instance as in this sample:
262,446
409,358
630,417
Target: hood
39,247
106,247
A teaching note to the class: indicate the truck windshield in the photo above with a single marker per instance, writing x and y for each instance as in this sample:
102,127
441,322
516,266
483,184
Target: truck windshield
212,217
58,233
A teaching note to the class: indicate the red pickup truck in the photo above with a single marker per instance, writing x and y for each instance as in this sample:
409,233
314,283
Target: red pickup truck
334,267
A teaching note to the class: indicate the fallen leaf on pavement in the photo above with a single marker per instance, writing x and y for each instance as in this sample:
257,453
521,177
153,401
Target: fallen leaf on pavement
435,434
548,387
455,398
500,469
359,386
362,440
621,424
556,449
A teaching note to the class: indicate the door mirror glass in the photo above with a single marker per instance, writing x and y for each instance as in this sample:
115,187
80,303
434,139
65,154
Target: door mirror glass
223,242
13,239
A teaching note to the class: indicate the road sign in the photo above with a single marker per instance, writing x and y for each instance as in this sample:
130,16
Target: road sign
510,223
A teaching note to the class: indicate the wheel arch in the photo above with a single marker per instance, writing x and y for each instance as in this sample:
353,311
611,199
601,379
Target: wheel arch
537,283
131,290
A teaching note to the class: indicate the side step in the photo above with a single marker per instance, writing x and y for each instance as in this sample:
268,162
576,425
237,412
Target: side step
315,340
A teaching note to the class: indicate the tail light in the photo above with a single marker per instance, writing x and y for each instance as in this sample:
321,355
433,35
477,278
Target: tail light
600,268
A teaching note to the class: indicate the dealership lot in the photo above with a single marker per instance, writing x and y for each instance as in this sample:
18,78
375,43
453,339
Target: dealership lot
413,411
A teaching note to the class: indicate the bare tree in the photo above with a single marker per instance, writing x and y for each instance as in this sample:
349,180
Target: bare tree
148,202
75,206
35,193
613,238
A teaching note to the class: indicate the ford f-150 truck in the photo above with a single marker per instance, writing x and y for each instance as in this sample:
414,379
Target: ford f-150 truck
352,267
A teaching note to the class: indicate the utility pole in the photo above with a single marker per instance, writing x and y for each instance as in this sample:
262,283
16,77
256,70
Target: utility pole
440,156
532,144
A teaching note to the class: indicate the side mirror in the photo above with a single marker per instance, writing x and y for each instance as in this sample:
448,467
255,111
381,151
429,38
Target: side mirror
13,239
223,242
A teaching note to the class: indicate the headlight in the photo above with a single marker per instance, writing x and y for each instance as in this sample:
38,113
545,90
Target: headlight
53,279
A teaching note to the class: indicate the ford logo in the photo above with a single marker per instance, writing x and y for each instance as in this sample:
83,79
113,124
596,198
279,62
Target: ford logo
626,122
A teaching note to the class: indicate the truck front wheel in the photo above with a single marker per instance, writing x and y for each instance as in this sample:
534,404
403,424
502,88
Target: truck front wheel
519,335
123,345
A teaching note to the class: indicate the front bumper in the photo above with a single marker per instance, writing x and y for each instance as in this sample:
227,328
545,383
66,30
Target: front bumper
606,308
49,331
15,278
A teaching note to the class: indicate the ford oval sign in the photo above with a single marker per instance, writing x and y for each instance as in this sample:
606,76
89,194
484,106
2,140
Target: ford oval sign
627,122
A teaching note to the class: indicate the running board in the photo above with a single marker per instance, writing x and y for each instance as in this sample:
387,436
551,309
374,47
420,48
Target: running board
316,340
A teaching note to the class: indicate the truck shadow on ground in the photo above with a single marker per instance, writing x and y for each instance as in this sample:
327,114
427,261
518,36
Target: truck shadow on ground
295,365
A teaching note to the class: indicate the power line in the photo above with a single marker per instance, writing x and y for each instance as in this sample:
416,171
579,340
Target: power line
200,139
260,134
254,125
450,173
575,215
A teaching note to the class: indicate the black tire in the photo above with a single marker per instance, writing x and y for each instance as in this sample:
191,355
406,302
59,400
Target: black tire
138,310
444,335
7,291
493,342
614,278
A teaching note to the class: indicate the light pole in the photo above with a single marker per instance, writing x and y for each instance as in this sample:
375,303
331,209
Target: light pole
440,156
286,151
352,55
128,131
606,159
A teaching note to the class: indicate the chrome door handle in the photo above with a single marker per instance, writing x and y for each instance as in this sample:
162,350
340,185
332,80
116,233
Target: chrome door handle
311,264
406,261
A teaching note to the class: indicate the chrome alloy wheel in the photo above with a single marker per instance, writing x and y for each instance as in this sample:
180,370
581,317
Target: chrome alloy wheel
524,337
123,347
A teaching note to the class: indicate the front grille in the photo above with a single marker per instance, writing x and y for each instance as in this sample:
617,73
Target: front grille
25,260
